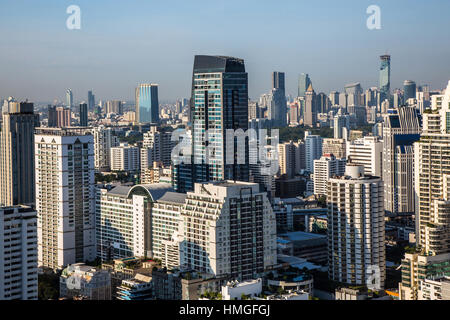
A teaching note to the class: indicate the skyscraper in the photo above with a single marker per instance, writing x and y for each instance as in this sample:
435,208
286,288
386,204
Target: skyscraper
310,116
356,236
303,84
229,230
83,114
104,140
400,131
69,98
65,196
147,103
325,168
18,253
219,102
409,90
277,110
91,101
432,178
313,150
385,77
17,154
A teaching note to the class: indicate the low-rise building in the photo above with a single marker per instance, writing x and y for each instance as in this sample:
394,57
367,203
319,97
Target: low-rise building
82,280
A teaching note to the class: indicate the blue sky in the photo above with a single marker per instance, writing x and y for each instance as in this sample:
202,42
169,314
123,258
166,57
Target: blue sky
122,43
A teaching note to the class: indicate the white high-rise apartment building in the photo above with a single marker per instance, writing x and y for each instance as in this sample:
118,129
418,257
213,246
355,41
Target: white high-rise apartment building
159,145
432,178
367,152
356,235
325,168
313,150
291,158
124,220
229,229
125,158
18,253
65,196
104,140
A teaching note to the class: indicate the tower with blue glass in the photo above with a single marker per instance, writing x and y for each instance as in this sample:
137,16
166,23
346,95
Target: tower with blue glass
385,77
147,104
219,102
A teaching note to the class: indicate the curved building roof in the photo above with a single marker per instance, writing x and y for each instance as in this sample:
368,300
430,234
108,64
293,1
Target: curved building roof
155,191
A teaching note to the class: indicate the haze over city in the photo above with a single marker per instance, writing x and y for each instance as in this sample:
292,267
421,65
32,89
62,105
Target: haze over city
121,44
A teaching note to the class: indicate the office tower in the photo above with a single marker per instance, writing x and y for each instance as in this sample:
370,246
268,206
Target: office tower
334,98
409,89
178,106
147,103
125,158
313,150
81,280
159,145
124,216
83,115
310,116
371,95
229,230
17,154
219,103
323,103
400,130
341,126
325,168
278,113
18,253
69,98
432,178
385,77
104,140
367,152
91,101
59,117
303,84
422,102
253,110
278,80
65,196
354,92
343,100
337,147
356,239
291,158
114,106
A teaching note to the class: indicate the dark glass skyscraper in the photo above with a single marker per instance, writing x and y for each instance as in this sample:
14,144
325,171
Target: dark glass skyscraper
303,84
83,114
147,104
219,102
385,77
91,101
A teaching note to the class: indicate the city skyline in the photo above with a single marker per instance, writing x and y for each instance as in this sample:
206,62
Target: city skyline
109,56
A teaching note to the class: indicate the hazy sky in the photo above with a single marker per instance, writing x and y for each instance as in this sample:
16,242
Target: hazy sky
122,43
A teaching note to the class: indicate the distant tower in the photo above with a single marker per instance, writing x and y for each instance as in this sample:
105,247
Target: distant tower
278,112
147,105
409,90
91,101
83,114
69,98
385,77
17,154
310,117
303,83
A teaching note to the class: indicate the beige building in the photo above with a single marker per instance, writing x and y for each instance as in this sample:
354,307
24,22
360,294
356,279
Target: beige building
336,147
17,153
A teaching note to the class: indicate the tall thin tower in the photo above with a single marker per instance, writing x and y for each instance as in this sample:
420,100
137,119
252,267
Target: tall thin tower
17,154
